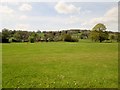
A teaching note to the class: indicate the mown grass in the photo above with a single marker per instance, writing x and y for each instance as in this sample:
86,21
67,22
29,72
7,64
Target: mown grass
0,66
60,65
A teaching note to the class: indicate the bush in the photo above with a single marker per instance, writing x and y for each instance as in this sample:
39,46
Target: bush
74,40
68,38
107,41
10,40
31,39
5,40
58,38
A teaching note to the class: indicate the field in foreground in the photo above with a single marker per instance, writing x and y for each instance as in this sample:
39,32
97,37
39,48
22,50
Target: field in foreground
60,65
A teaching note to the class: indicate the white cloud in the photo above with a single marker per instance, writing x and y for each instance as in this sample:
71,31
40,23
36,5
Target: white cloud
62,7
59,0
6,14
22,26
6,10
110,19
55,20
23,17
25,7
111,16
112,12
73,19
85,12
9,1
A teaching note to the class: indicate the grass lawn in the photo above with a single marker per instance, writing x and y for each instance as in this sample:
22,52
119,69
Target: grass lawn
60,65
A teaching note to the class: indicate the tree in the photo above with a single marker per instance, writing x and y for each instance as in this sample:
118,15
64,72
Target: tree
112,37
94,35
24,36
98,33
84,35
18,36
31,39
118,37
99,27
5,33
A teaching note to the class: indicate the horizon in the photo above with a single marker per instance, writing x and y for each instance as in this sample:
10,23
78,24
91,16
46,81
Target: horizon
55,30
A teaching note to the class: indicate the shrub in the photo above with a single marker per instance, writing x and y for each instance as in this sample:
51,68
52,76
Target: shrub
5,40
58,38
68,38
74,40
31,39
10,40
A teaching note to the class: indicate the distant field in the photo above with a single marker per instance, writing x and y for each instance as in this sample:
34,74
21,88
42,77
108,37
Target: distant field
60,65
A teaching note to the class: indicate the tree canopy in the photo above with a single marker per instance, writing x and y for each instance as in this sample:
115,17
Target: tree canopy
99,27
98,33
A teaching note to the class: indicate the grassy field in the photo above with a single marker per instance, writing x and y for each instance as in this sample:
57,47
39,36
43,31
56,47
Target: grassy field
60,65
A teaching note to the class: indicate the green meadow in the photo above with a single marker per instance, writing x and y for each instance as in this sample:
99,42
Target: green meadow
60,65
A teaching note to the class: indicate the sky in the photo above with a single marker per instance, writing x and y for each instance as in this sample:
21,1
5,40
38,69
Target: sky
58,15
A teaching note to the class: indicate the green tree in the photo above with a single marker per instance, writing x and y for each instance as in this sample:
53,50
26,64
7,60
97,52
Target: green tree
31,39
118,37
98,33
18,36
112,37
5,33
99,27
94,35
24,36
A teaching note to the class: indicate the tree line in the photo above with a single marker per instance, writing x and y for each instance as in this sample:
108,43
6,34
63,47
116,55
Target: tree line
97,34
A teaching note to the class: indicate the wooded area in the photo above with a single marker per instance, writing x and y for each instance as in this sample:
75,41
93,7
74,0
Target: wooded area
97,34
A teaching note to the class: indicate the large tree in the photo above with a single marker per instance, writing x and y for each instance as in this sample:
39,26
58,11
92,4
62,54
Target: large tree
18,36
98,33
5,33
99,27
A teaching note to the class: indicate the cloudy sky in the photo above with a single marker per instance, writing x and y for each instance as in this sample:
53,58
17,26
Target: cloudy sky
58,15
